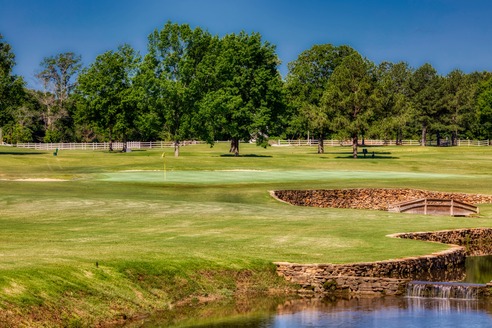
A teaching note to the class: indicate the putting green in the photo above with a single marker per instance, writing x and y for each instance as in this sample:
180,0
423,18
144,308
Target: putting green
251,176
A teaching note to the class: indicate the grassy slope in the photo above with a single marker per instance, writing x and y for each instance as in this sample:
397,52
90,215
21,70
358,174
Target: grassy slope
159,237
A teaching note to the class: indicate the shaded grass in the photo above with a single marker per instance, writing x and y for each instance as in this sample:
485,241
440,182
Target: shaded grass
153,233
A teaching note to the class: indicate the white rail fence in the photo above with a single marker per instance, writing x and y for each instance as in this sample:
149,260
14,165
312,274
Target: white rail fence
334,143
166,144
103,145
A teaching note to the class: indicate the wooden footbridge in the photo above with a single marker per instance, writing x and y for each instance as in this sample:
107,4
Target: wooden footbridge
429,206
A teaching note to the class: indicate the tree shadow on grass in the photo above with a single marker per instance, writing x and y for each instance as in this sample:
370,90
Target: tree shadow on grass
22,153
245,155
368,156
359,153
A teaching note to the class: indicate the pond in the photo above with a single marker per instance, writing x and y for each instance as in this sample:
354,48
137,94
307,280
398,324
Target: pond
478,269
388,312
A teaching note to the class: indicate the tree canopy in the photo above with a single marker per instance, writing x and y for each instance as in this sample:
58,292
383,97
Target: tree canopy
348,99
245,96
307,80
192,85
58,78
484,112
11,88
105,93
169,78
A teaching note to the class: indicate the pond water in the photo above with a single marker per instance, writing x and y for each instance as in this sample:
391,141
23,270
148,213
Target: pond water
478,269
388,312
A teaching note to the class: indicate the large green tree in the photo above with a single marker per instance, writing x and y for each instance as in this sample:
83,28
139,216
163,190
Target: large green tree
306,82
106,94
27,124
457,102
11,86
170,80
348,101
425,86
484,109
58,76
393,106
245,94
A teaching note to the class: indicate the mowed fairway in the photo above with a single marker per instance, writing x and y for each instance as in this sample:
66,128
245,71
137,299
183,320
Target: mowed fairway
98,234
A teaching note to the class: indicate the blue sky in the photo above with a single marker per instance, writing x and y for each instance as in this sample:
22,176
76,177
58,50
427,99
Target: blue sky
449,34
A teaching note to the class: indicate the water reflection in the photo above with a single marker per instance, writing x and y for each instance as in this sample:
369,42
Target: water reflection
478,269
391,312
388,312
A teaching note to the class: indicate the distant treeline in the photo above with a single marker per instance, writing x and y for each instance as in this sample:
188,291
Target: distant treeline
194,85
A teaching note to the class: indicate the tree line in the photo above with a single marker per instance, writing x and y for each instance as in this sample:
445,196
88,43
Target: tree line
194,85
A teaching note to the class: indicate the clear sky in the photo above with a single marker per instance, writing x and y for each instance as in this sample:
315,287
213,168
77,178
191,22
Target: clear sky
449,34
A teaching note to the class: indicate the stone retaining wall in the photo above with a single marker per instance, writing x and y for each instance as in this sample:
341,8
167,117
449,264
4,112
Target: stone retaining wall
391,277
369,198
476,241
346,286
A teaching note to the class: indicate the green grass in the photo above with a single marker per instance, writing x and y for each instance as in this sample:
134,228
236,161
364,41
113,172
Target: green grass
155,223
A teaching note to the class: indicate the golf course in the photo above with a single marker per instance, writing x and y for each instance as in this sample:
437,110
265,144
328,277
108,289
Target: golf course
90,238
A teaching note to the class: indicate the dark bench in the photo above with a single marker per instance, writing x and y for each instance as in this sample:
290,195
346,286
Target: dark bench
364,151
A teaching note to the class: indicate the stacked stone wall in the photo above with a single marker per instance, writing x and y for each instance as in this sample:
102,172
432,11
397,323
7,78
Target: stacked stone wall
391,277
476,241
369,198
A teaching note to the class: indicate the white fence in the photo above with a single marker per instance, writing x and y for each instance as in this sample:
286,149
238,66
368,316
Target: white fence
474,143
103,145
334,143
166,144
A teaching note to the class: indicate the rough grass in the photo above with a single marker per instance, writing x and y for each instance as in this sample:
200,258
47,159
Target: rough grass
135,232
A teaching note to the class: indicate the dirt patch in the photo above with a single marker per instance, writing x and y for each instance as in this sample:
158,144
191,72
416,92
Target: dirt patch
369,198
35,180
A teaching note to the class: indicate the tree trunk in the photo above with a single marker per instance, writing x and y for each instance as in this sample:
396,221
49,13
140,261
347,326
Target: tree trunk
424,135
176,148
110,140
454,138
234,147
124,148
438,137
355,141
321,144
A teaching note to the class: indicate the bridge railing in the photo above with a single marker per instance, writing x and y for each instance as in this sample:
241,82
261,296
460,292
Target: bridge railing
435,206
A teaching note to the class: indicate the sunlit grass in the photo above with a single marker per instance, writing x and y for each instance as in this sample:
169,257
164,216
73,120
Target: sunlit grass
121,225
